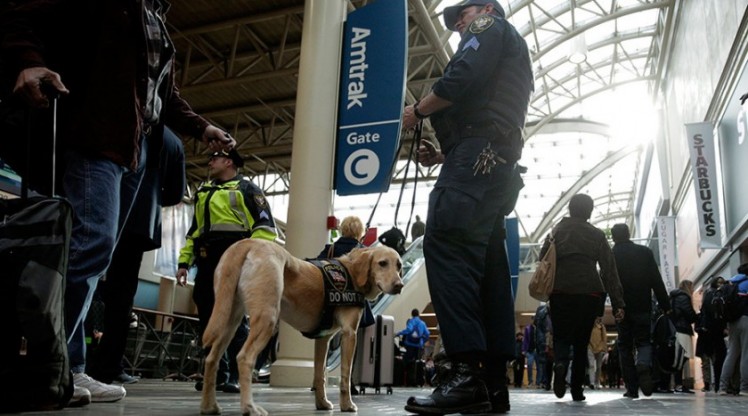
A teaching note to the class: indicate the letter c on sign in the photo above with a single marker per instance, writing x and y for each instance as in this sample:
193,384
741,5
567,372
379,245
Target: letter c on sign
361,167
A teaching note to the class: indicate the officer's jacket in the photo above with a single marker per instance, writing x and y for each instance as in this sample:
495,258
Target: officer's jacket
233,209
580,248
489,80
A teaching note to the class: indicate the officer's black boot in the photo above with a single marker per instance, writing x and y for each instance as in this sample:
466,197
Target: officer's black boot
442,369
499,398
496,383
463,391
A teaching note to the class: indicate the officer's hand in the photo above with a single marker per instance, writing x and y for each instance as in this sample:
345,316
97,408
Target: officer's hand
29,85
428,154
218,139
182,276
409,118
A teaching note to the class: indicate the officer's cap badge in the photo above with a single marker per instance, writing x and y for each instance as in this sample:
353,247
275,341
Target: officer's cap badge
481,23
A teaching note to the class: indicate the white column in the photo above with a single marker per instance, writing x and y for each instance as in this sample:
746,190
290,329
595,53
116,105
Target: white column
310,196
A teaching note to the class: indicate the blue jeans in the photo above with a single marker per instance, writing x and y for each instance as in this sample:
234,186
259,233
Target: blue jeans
101,193
531,365
541,378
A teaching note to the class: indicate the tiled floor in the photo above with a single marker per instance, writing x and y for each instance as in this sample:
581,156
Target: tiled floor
156,397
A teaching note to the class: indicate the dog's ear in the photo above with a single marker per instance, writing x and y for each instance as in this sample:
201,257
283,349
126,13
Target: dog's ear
360,266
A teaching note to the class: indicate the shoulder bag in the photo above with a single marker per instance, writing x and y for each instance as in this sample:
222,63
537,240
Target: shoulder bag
541,283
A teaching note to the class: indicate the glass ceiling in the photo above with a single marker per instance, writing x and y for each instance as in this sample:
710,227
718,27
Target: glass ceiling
589,123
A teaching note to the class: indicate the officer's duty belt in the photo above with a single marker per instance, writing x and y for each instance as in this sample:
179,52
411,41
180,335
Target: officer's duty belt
478,130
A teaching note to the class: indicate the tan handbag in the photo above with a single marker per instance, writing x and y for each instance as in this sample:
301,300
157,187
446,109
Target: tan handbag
541,283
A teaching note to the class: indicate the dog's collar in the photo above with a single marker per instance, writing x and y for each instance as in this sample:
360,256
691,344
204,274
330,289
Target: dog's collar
339,291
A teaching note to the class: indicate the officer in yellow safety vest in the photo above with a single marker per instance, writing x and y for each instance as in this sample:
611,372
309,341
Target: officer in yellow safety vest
229,208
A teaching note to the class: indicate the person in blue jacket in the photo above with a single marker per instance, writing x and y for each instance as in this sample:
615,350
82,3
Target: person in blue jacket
737,335
414,336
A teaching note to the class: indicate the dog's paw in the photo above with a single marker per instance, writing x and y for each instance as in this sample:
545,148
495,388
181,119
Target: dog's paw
212,409
350,407
254,410
323,404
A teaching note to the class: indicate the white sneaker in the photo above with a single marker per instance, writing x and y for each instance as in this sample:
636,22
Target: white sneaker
81,397
99,391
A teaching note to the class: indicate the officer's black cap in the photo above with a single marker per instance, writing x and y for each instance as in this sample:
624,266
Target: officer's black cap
231,154
451,13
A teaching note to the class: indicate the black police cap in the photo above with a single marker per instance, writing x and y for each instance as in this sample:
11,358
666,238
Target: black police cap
451,13
231,154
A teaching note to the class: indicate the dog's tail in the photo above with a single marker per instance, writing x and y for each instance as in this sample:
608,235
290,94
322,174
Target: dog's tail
226,281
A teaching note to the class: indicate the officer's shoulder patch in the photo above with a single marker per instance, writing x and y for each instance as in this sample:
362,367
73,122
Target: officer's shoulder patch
260,201
481,23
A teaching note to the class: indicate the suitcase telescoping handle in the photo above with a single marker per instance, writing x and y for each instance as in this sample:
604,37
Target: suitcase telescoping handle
52,94
371,350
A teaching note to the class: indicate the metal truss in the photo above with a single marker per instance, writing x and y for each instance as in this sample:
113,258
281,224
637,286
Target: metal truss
238,65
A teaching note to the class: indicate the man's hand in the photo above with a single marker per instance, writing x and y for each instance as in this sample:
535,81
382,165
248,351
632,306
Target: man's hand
218,139
428,154
29,85
182,276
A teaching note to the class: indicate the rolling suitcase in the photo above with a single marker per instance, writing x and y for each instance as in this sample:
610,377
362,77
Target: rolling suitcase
34,244
376,350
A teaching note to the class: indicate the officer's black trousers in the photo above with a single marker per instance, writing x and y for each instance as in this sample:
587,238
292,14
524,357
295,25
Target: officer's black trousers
204,298
468,271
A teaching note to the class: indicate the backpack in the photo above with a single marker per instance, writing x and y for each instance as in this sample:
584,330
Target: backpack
415,335
665,345
726,303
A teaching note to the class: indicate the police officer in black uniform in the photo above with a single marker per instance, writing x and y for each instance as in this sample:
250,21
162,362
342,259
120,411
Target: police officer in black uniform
478,111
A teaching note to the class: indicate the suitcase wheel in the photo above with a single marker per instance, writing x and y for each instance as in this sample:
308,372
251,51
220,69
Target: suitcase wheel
376,390
389,389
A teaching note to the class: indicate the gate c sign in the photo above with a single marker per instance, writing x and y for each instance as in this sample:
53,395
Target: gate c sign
372,94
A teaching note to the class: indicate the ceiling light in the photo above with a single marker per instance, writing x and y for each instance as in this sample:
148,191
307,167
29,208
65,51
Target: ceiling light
578,49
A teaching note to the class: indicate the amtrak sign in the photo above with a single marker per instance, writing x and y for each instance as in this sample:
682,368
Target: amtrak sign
372,93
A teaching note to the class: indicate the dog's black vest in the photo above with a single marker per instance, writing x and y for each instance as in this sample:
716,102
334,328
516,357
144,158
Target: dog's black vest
338,292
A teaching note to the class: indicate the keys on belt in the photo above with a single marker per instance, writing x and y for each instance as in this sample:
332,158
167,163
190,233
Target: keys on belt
486,160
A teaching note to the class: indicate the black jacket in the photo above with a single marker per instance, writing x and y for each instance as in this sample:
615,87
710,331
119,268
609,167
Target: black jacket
341,246
639,276
683,314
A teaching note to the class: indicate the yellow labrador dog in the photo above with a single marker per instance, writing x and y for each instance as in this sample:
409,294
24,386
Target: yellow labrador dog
271,284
